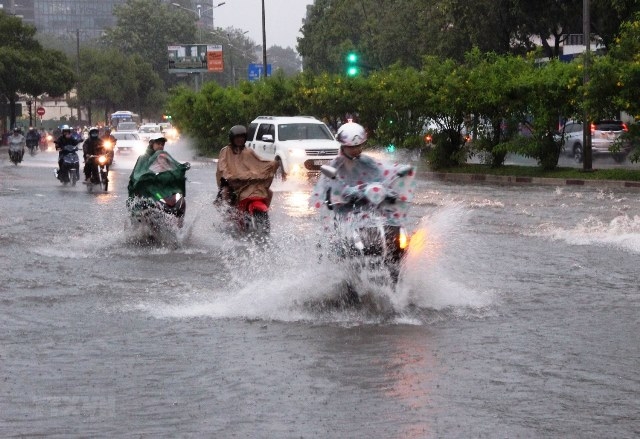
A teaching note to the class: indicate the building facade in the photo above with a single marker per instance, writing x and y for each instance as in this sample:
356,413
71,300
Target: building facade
60,17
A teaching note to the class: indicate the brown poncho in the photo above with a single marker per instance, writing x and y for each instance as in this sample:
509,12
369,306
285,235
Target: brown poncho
247,174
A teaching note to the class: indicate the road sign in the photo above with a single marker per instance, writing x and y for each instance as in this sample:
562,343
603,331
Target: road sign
255,71
40,111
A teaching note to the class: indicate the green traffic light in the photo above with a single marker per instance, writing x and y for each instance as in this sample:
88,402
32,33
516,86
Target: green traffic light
352,71
352,57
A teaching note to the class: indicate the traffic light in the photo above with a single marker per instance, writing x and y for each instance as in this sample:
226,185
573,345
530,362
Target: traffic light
166,117
353,68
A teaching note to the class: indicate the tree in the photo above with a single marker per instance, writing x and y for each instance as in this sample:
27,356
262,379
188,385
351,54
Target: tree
112,80
25,67
146,27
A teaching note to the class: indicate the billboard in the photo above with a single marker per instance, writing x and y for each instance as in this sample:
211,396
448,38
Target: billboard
195,58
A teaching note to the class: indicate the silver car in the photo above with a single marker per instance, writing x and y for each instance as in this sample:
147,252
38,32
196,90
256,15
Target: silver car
604,134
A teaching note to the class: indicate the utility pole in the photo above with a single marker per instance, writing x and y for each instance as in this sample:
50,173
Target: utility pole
78,69
264,44
587,157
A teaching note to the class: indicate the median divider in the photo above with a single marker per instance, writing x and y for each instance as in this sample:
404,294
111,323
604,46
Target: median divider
526,181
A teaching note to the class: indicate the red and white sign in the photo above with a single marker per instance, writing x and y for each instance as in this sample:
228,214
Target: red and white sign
40,111
215,62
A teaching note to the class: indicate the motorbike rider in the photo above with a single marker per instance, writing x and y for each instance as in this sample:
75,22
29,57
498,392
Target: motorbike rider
65,144
157,160
93,146
16,142
353,168
241,175
32,138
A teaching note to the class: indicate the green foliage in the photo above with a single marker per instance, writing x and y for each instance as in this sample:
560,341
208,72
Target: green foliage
146,27
25,67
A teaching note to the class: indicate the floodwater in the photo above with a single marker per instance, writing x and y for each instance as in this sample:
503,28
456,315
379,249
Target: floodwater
517,315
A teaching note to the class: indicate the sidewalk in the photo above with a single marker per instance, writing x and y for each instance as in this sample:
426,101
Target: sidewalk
526,181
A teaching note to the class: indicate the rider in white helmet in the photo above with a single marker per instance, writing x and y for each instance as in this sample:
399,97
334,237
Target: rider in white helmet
353,168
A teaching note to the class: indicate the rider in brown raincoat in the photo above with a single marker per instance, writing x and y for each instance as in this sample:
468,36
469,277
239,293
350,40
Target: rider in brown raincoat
242,176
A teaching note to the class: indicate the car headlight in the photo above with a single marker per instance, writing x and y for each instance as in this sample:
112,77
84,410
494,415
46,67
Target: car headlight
297,152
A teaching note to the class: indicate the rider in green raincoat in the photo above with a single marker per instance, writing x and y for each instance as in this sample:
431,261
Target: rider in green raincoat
156,174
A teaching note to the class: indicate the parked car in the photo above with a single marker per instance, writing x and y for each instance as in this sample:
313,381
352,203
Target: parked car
301,143
128,142
603,136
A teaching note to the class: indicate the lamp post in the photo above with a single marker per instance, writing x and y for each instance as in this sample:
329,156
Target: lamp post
587,157
199,12
233,70
264,44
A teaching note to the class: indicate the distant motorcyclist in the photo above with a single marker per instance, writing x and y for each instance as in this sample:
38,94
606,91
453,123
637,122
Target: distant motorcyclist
93,146
109,142
242,175
353,168
65,144
32,139
16,142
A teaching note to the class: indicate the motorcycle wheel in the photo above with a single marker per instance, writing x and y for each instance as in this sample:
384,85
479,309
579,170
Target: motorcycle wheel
73,177
260,223
104,180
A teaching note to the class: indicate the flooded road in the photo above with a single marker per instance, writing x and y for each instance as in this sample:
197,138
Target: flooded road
517,315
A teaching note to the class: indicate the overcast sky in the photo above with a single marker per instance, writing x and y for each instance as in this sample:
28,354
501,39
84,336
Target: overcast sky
283,18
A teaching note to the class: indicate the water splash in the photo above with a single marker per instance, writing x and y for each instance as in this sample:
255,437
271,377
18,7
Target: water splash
621,232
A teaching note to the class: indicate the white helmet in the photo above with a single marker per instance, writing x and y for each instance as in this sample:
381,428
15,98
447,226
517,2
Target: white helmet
351,134
157,136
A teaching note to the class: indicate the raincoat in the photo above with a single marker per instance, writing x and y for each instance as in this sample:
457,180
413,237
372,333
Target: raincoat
16,143
363,170
157,175
247,174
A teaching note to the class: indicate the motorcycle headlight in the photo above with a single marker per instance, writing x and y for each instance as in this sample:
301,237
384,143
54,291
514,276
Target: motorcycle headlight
108,144
102,160
403,238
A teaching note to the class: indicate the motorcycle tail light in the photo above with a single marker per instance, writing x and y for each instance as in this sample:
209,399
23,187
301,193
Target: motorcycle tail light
403,239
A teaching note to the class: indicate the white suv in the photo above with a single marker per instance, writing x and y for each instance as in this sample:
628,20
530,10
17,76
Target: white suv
301,143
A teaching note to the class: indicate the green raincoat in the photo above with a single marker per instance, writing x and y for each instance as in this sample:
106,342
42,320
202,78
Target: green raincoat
157,175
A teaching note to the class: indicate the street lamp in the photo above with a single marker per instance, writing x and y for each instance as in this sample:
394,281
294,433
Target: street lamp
233,70
264,44
198,11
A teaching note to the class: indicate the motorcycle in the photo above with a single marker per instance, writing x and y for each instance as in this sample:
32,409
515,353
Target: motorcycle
250,216
109,147
45,141
99,172
70,170
159,202
33,147
369,230
16,152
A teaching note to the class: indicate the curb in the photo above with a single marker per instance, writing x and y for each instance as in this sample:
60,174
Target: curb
527,181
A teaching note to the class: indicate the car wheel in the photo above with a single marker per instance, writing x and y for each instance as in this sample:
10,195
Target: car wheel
280,174
577,153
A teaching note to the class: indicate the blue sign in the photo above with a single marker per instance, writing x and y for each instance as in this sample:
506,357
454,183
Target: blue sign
255,71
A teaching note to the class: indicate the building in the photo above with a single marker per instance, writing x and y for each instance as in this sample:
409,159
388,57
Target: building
60,17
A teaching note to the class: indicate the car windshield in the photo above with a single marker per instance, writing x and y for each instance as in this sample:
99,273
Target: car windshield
154,129
126,136
304,131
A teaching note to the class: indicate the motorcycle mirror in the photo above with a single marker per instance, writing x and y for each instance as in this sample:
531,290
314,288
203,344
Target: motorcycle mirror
329,171
404,170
